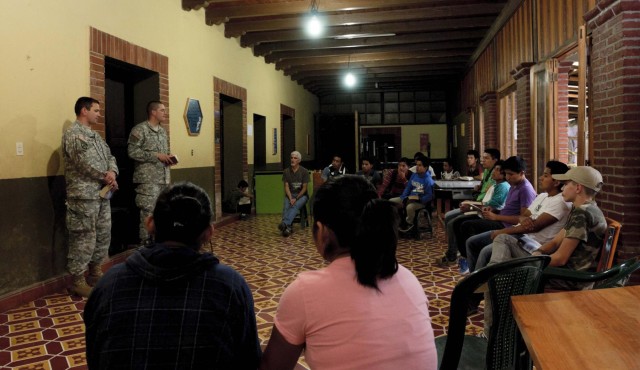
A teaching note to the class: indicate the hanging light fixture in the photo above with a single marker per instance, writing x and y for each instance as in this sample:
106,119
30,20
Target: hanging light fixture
349,78
314,25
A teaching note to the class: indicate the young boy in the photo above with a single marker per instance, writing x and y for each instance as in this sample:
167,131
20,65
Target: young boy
448,173
240,199
369,173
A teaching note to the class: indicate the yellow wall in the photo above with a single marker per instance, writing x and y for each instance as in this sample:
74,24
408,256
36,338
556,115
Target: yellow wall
45,68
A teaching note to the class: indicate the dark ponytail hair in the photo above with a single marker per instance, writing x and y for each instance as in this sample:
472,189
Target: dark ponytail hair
364,225
182,213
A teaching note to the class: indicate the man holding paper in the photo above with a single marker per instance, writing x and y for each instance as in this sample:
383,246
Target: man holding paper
148,146
88,168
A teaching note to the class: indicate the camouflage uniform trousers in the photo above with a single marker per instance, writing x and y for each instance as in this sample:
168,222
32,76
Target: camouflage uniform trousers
146,196
89,227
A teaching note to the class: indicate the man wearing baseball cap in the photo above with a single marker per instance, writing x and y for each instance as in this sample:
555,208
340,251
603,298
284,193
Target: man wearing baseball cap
577,245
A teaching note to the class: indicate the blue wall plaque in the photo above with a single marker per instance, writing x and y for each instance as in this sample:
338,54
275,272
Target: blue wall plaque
193,116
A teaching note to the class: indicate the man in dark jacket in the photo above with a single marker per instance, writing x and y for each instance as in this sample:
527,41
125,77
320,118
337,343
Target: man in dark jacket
170,306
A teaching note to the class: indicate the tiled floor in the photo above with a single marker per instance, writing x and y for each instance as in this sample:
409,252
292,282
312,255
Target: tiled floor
49,334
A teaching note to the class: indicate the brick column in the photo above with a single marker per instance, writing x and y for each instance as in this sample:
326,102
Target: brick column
615,113
489,103
523,108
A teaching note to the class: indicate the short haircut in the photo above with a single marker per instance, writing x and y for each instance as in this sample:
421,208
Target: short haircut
557,168
474,153
296,154
243,184
153,105
404,159
493,152
182,213
515,164
418,154
423,159
366,158
337,156
84,102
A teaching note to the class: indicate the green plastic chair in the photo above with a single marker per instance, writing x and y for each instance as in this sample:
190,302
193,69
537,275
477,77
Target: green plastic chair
504,345
616,276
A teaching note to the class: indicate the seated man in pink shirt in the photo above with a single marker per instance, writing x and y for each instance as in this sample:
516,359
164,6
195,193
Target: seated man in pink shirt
344,315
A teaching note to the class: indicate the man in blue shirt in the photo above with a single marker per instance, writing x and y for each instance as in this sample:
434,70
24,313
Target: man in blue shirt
417,194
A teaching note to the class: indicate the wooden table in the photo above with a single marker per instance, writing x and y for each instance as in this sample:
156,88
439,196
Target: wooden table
452,188
589,329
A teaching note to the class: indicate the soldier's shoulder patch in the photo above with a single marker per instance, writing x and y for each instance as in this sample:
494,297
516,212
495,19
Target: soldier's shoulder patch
81,142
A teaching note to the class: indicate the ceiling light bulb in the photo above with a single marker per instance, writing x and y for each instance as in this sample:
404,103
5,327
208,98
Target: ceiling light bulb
350,80
314,26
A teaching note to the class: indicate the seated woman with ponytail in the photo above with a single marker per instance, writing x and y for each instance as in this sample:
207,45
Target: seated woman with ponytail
362,311
170,306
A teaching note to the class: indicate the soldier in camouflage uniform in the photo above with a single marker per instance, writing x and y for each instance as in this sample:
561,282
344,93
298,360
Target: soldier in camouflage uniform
89,166
149,148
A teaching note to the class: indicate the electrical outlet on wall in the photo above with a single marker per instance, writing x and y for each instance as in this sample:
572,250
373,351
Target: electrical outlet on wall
19,148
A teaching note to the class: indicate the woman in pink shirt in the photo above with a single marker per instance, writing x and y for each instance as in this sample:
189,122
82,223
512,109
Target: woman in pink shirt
362,311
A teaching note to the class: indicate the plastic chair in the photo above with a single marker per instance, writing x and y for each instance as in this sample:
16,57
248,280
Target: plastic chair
422,220
616,276
459,351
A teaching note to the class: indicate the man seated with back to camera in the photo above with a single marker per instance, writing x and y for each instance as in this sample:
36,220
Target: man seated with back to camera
417,194
170,306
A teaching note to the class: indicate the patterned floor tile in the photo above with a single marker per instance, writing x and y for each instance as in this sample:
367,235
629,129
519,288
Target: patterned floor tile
48,333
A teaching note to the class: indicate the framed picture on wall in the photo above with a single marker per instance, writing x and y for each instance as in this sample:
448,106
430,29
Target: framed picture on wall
193,116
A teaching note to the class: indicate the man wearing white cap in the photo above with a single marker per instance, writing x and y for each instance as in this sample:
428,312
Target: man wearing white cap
577,245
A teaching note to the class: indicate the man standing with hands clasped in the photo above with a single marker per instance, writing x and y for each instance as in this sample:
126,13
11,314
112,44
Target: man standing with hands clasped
90,172
149,148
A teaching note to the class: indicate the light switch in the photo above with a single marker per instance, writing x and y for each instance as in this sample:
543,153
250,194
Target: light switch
19,148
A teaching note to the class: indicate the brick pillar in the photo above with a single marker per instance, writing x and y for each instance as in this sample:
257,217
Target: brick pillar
523,108
615,114
489,103
562,113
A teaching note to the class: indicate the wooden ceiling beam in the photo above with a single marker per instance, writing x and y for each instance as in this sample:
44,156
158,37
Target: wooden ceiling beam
398,28
374,64
410,69
236,28
313,53
270,47
218,13
363,58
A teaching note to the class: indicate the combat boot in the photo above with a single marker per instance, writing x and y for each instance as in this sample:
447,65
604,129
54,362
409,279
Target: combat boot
80,286
95,273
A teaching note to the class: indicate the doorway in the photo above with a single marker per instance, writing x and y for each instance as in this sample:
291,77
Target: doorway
259,142
288,138
231,143
128,89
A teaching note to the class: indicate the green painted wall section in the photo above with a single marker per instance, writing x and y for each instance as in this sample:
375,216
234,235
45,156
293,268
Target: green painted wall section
32,231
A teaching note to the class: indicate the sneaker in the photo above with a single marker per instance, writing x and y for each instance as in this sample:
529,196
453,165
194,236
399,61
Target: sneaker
282,227
406,229
287,231
445,262
463,266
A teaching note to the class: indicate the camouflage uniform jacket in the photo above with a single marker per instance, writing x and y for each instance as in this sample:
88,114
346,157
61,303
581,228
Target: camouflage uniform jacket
87,159
144,142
